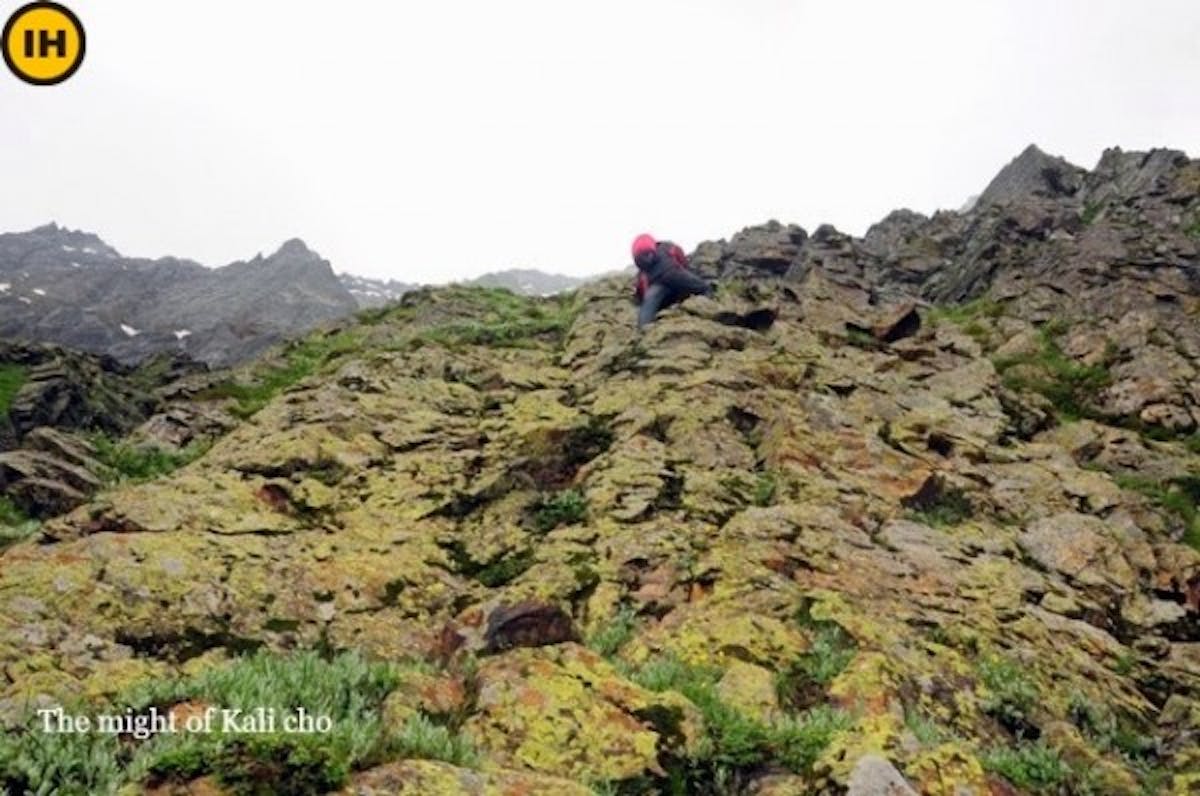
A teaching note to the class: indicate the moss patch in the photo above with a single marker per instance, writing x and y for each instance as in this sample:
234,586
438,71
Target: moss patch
301,359
12,377
1035,768
1178,496
14,525
558,508
128,462
1072,388
735,743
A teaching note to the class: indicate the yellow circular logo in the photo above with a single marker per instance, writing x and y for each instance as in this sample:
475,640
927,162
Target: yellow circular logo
43,43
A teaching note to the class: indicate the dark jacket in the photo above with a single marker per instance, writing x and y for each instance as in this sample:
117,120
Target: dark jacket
653,266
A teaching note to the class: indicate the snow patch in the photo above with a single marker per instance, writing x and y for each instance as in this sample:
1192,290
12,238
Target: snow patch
4,286
67,248
182,333
26,300
129,330
39,291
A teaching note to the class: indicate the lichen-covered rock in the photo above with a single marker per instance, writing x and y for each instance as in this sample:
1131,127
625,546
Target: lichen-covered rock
904,534
565,710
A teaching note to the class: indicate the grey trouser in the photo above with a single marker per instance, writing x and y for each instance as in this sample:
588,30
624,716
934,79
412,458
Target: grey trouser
672,287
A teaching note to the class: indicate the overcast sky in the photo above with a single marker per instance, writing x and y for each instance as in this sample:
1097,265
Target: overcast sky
434,140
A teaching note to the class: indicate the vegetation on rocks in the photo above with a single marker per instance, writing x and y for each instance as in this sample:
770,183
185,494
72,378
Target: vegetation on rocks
142,461
11,379
560,508
1179,497
347,689
1072,388
728,553
301,359
1033,767
735,742
14,525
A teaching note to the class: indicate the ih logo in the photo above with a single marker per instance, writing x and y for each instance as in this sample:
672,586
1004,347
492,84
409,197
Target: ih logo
43,43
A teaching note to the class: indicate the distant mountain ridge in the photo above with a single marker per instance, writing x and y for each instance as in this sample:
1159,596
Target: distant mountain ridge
370,292
71,288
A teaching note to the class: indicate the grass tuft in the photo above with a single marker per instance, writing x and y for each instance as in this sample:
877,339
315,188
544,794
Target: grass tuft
1072,388
12,377
423,739
145,462
1178,496
346,688
1035,768
734,741
609,639
1011,692
302,358
567,507
14,525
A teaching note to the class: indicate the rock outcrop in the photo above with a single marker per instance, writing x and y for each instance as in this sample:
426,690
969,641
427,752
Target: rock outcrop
811,535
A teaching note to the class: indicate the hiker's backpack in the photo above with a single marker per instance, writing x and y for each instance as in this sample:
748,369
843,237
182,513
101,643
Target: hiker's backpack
673,255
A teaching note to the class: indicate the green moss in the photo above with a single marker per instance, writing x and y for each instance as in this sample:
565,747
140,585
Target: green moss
946,509
766,487
505,569
862,339
1032,767
500,318
1091,211
302,358
1109,732
1178,496
1125,664
1072,388
735,742
924,729
797,742
12,377
14,525
804,682
1011,692
609,639
128,462
559,508
10,514
972,311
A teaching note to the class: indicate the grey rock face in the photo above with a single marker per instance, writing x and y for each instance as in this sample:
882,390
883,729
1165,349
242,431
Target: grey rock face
1117,247
875,776
1033,173
72,289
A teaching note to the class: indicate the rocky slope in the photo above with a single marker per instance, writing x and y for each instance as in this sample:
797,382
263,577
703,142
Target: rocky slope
72,289
57,406
909,513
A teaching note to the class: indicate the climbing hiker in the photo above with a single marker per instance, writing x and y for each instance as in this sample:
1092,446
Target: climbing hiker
663,278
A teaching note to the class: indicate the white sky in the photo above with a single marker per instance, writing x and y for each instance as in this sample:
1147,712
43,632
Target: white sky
429,140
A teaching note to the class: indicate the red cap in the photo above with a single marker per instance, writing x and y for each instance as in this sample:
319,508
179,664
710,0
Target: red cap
643,243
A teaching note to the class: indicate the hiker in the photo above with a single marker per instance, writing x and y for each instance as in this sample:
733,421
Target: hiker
663,278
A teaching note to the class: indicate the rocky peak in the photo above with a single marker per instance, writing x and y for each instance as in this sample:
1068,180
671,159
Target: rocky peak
295,248
62,240
1033,173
